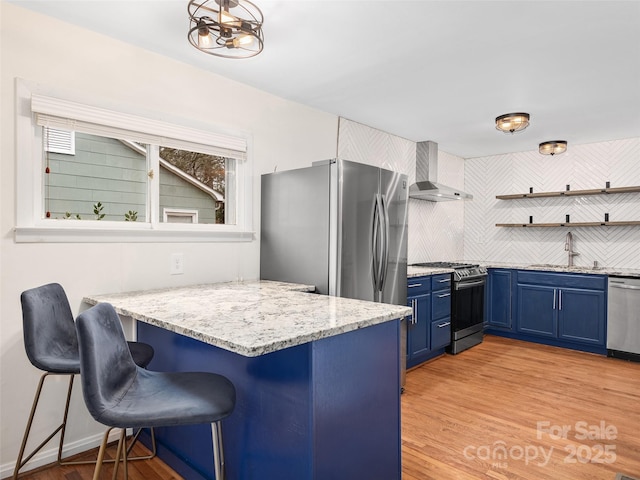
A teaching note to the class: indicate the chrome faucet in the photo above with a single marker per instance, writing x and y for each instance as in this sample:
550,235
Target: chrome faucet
568,247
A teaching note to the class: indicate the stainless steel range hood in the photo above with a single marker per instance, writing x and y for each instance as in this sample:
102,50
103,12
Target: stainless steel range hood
427,186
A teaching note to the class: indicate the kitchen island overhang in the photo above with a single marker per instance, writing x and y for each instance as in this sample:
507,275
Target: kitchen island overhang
317,377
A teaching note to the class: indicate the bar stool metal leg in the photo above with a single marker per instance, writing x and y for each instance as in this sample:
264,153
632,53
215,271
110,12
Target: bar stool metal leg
134,439
124,455
20,462
122,444
218,453
103,447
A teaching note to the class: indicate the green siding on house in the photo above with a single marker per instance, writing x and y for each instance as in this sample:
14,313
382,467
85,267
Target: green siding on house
107,171
102,170
178,193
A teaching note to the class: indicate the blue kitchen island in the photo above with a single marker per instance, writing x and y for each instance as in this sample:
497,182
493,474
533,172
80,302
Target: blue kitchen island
317,378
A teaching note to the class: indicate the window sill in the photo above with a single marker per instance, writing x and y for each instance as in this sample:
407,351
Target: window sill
56,234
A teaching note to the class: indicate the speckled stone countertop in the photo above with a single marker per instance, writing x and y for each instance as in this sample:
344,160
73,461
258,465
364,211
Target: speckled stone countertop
250,318
610,271
421,271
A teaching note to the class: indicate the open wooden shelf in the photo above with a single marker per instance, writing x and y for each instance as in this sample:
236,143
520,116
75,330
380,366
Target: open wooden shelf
571,193
571,224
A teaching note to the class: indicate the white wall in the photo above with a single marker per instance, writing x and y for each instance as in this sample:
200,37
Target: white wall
582,167
104,72
435,228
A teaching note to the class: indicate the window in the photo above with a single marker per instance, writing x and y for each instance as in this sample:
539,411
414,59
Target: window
101,175
172,215
192,180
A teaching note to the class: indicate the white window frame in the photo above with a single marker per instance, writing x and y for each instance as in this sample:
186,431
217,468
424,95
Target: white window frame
179,212
31,226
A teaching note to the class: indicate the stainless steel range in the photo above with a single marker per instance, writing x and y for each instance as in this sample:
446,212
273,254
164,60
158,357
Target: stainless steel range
467,303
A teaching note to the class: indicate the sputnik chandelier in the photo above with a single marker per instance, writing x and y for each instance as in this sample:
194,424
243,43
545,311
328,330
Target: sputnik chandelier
226,28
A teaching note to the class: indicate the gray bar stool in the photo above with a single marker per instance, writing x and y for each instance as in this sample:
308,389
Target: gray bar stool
51,344
119,394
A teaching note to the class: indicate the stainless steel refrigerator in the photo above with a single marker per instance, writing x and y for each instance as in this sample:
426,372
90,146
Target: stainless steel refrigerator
339,225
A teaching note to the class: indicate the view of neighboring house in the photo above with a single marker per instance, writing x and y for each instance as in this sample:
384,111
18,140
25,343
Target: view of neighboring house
90,177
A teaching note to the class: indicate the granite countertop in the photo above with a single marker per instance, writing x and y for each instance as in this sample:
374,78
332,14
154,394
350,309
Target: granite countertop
610,271
250,318
413,271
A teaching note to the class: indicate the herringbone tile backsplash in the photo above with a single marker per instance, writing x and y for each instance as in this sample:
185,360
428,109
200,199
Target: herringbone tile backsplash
581,167
440,231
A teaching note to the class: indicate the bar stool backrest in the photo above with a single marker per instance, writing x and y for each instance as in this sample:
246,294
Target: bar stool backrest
50,338
107,366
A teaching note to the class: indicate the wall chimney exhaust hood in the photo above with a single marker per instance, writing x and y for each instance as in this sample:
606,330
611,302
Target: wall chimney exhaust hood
427,186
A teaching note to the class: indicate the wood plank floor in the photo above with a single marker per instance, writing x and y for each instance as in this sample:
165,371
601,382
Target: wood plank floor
138,470
497,412
458,411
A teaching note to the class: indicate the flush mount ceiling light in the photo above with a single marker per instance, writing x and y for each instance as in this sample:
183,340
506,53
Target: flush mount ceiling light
554,147
226,28
512,122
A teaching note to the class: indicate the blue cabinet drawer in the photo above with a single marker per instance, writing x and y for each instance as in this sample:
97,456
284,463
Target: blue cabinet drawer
440,333
441,304
418,286
441,281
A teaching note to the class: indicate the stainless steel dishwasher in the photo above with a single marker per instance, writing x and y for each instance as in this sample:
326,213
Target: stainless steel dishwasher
623,318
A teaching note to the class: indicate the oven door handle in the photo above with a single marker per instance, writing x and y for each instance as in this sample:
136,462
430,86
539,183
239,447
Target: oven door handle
465,285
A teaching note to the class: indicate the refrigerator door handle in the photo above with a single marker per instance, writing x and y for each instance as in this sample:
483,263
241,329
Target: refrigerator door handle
385,243
374,245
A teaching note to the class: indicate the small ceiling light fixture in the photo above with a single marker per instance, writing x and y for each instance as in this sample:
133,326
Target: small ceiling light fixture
226,28
512,122
553,147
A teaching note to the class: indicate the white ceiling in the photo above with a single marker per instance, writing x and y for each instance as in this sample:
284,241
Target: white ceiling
424,70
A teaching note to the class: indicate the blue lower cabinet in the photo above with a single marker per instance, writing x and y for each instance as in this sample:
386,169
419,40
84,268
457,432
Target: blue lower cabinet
562,309
429,329
582,316
536,310
498,300
418,329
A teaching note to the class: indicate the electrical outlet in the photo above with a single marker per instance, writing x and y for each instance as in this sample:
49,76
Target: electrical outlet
176,264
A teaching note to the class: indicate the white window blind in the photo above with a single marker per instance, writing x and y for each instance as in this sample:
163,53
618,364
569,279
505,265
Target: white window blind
59,141
66,115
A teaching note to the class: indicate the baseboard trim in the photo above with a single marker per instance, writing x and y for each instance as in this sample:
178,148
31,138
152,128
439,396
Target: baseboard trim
50,455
